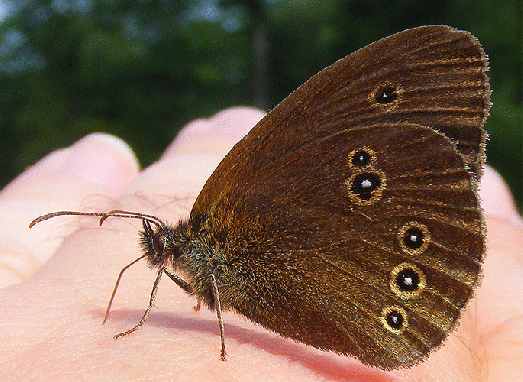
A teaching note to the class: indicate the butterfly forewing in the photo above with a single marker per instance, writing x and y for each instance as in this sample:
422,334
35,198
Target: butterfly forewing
434,76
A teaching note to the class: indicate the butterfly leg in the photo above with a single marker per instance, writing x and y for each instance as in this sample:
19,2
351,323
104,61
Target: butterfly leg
184,285
179,281
108,309
216,297
148,310
198,305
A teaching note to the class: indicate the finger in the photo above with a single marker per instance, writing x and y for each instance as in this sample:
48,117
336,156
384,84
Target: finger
498,305
499,302
90,172
496,197
215,135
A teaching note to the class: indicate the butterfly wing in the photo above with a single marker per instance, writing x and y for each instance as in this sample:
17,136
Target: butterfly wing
333,253
345,223
433,76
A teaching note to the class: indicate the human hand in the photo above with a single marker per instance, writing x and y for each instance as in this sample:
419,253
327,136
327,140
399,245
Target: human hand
50,324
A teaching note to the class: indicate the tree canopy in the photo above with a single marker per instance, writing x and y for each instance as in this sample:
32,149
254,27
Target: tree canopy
142,69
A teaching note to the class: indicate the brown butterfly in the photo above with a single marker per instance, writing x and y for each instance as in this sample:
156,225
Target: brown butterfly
348,218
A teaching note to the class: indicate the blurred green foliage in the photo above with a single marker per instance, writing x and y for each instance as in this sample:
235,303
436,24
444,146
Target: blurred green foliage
142,69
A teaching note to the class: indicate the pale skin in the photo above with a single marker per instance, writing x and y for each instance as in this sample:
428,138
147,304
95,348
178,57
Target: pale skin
51,314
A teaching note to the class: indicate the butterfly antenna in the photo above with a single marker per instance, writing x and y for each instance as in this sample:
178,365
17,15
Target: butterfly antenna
103,216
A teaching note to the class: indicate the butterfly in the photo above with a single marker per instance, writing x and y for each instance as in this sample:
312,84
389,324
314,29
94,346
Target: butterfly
348,218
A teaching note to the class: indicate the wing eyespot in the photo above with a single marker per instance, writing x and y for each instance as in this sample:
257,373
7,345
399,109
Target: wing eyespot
394,319
386,96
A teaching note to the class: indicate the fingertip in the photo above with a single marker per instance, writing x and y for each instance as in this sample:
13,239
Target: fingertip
215,135
97,163
91,171
103,159
496,197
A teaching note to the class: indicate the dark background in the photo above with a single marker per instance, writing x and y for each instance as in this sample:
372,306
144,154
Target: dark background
142,69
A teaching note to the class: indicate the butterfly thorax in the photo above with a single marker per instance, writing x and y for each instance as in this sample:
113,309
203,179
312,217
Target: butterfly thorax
179,249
